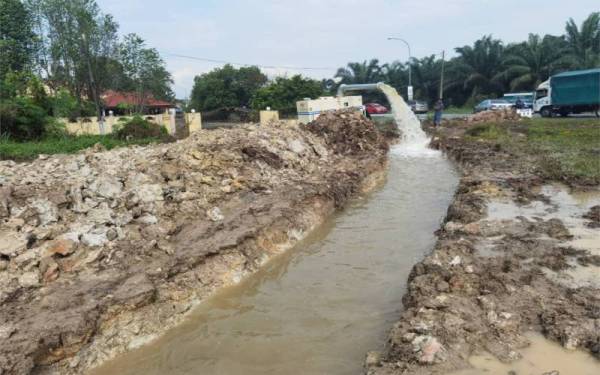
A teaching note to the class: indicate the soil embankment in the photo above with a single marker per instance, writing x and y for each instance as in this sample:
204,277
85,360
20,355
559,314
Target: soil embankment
517,253
102,251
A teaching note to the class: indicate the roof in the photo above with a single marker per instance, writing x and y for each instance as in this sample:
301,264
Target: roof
577,72
112,99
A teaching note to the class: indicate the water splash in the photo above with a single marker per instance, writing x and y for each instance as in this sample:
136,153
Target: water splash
415,142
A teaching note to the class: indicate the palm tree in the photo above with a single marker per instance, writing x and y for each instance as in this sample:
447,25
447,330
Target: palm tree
584,42
426,77
363,72
479,65
530,63
396,75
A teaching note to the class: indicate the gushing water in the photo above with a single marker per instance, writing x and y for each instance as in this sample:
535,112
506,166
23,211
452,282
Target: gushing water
414,140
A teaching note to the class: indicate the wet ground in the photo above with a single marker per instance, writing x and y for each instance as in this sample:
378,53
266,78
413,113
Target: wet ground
320,307
542,357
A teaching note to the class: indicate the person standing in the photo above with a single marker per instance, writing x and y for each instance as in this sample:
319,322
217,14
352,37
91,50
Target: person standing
439,109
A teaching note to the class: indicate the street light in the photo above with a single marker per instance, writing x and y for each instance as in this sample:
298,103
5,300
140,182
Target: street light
409,65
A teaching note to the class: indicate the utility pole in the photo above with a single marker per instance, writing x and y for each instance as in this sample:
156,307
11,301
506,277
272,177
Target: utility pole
442,75
410,87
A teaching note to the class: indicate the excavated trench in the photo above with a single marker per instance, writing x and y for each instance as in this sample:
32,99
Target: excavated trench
320,307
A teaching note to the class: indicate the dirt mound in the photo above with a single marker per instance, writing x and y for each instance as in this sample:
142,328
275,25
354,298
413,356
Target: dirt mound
348,132
501,115
102,249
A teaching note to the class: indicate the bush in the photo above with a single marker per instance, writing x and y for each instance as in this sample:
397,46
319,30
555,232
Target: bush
138,128
22,119
283,93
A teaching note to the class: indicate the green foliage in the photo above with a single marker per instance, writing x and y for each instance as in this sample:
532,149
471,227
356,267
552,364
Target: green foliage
21,118
145,68
16,37
139,128
65,105
283,93
13,150
226,87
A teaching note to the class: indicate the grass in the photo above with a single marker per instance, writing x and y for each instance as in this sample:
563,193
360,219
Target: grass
458,110
13,150
564,148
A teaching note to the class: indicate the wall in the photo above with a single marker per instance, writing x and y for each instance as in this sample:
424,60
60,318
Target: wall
267,117
90,125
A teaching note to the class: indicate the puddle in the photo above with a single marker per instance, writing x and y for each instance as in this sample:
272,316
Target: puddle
319,308
542,357
569,208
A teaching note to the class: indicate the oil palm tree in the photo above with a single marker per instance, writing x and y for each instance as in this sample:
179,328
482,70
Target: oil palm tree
584,42
396,75
528,64
479,66
365,72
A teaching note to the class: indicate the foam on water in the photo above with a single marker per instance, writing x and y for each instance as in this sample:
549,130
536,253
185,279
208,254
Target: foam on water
415,142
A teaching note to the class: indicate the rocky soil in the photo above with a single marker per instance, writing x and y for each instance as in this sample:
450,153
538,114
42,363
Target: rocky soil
515,254
102,251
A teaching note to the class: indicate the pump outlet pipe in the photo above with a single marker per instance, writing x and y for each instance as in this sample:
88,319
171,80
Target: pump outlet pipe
359,87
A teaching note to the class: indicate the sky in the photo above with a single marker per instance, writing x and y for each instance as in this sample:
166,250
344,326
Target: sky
327,34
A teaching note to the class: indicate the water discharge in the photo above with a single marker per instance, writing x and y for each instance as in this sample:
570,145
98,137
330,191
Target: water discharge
414,143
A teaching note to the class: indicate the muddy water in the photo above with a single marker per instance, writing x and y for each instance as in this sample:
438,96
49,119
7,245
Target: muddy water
542,357
320,307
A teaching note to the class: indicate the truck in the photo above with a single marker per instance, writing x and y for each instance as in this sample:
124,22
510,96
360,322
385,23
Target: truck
569,93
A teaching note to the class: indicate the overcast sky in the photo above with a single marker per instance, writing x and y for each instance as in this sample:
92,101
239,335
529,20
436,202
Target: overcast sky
327,33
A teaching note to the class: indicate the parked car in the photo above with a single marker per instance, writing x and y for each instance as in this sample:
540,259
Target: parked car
491,105
375,109
418,106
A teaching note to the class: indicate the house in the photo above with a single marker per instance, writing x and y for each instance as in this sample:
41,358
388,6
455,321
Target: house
125,103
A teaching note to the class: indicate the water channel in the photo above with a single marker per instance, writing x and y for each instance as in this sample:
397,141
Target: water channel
319,308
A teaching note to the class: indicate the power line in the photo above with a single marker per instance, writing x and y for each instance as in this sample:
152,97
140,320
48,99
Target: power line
245,64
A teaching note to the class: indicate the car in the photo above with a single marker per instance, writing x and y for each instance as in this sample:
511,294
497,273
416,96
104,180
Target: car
418,106
525,97
375,109
492,104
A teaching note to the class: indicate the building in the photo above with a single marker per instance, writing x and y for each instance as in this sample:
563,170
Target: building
126,103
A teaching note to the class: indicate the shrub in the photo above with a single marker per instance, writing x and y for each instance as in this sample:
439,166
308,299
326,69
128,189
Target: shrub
22,119
138,128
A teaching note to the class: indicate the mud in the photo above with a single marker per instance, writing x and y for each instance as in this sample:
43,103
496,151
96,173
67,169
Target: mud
516,254
101,252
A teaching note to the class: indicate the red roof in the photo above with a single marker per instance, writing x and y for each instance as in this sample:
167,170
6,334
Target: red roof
112,99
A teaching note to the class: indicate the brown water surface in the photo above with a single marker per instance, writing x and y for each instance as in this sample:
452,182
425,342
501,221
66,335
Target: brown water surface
319,308
542,357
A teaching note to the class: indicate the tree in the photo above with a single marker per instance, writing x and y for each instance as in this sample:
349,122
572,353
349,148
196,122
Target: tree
584,42
283,93
529,63
17,39
226,87
74,38
426,77
145,69
365,72
395,74
480,64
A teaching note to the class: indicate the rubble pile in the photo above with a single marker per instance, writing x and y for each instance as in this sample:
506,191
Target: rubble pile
348,132
501,115
86,237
